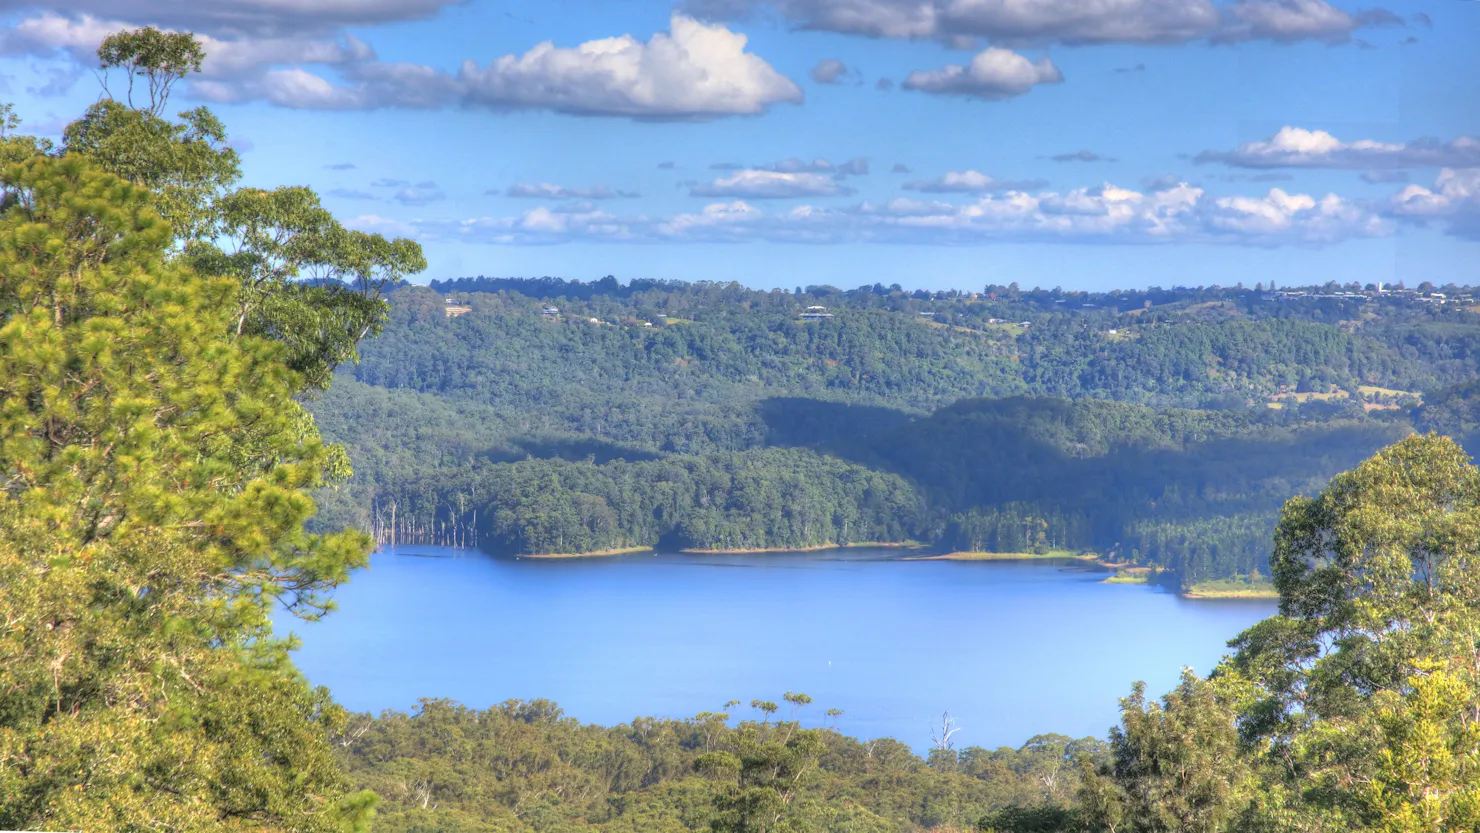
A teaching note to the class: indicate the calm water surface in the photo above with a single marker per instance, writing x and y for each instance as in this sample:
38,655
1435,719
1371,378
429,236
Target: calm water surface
1011,649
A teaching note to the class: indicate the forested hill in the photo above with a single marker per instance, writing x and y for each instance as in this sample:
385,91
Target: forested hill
1162,427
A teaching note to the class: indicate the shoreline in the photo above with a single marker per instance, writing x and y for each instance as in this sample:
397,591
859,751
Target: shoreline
909,545
1120,572
1055,555
592,554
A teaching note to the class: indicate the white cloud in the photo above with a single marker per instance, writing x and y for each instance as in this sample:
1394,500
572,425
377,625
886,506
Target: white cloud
387,226
1286,21
1453,200
270,18
993,75
1295,147
1073,22
419,195
970,182
374,85
51,33
546,190
232,58
1106,214
697,71
759,184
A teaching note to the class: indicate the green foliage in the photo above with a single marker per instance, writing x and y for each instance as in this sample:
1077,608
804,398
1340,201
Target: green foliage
1367,690
1174,765
153,477
523,766
186,165
160,59
1355,708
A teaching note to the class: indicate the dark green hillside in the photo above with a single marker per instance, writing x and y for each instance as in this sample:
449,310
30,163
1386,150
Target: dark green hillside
711,416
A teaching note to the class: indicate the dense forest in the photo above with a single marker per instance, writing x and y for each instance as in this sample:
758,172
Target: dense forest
524,766
1161,428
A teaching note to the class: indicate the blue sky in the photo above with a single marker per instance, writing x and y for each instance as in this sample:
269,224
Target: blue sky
930,143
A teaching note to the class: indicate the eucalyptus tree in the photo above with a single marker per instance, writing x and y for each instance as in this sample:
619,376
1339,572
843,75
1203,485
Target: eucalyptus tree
1366,702
304,278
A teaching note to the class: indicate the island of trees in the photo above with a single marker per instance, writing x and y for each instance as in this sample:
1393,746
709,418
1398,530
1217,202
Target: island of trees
161,330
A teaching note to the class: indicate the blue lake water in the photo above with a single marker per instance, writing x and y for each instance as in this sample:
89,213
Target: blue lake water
1010,648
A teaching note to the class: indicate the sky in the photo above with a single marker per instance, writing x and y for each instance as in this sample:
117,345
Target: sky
937,144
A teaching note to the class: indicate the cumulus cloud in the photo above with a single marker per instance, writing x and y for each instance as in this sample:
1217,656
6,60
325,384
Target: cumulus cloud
971,182
1294,147
993,75
696,71
761,184
546,190
386,182
340,166
1073,22
1453,200
832,71
1081,156
1286,21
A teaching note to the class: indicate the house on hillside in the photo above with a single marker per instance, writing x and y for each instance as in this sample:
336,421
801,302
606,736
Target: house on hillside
550,312
454,309
816,313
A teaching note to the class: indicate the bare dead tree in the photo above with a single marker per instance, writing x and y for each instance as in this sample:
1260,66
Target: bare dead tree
948,728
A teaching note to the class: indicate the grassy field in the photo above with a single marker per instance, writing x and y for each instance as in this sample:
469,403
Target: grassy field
1373,390
1232,588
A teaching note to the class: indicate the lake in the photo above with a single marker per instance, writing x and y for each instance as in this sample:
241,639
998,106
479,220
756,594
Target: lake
1010,648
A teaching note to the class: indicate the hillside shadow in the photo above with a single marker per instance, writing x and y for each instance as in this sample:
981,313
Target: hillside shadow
799,421
572,449
1106,460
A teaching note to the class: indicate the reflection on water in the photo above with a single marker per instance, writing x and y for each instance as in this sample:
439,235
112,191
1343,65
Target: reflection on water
1010,648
